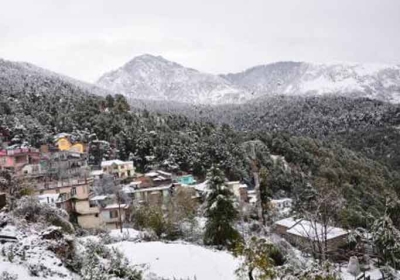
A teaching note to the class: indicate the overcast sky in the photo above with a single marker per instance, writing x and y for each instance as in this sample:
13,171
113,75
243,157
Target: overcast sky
85,38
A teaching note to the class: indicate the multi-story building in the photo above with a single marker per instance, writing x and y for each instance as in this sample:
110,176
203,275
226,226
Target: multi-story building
76,202
118,168
16,159
114,215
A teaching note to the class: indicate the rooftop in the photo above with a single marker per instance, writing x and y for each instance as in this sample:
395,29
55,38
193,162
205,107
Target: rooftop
114,161
116,206
310,230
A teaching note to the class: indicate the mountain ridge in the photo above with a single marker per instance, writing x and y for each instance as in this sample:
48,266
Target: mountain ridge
156,78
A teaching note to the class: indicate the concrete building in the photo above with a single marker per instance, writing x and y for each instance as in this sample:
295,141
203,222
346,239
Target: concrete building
239,190
153,196
113,215
118,168
304,234
76,203
16,159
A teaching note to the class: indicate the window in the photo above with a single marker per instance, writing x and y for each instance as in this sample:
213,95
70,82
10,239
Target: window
92,204
73,191
96,215
113,214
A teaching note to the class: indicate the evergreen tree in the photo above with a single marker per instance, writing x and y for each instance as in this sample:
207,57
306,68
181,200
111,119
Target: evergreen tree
220,211
386,238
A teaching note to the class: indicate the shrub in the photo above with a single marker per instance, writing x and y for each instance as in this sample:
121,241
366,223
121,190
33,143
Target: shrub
32,211
8,276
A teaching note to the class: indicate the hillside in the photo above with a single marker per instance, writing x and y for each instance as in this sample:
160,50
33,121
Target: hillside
155,78
175,142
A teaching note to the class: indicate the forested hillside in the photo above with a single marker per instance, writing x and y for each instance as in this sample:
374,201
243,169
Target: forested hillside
369,126
36,111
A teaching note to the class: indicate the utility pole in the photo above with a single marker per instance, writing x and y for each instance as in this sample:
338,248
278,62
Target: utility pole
118,195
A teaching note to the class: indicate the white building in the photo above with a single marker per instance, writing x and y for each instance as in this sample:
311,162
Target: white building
118,168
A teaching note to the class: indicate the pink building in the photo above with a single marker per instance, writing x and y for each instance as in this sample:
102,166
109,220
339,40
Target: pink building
14,160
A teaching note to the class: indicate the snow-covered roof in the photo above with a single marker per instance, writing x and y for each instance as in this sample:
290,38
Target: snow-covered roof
151,174
200,187
116,206
98,197
310,230
233,183
96,172
45,198
160,178
114,161
281,200
164,173
160,188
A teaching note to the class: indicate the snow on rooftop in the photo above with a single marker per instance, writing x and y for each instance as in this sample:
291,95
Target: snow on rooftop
310,230
281,200
160,178
201,187
153,189
181,261
114,161
98,197
116,206
48,198
96,172
151,174
164,173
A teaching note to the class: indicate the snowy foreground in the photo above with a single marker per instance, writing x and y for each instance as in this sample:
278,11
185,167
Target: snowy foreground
178,260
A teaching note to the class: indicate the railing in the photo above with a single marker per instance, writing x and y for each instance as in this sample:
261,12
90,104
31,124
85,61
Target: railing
61,184
18,151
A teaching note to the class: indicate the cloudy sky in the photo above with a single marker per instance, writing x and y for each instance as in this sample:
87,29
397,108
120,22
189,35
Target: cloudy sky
85,38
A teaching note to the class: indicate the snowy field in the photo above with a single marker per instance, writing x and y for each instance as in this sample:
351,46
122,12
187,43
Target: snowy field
171,260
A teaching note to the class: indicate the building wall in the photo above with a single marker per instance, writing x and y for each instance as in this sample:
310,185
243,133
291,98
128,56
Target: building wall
89,221
83,207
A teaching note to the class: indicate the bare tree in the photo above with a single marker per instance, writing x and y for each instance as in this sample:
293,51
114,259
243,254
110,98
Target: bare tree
318,217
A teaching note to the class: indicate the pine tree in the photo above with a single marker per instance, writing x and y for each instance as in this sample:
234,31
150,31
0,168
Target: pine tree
220,211
386,238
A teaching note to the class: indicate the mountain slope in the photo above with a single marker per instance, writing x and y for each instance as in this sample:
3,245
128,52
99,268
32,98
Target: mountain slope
381,82
24,77
155,78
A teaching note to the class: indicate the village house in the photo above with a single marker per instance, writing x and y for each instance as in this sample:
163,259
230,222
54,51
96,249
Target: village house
50,199
118,168
281,204
113,215
16,159
239,190
153,196
305,235
159,178
187,179
76,203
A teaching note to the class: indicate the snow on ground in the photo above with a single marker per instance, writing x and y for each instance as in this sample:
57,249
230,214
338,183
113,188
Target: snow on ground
375,274
29,258
126,234
179,260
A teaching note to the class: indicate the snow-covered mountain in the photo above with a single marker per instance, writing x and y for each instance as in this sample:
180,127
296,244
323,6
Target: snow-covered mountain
22,77
155,78
380,82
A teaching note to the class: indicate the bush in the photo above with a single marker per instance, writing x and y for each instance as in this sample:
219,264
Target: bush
32,211
152,218
8,276
101,263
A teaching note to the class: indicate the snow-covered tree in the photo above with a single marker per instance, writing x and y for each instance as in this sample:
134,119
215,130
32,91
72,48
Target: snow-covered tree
386,238
220,212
